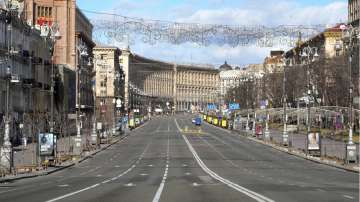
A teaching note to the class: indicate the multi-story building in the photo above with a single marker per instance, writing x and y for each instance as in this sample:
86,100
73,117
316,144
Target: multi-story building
27,72
72,52
354,12
329,44
109,84
275,62
151,82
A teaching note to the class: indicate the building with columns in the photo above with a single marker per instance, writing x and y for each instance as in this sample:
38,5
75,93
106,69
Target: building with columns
150,83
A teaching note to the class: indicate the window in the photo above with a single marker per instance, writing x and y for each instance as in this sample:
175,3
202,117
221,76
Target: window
43,11
337,53
103,83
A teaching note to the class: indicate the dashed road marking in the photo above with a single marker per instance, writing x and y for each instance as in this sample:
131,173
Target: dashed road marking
258,197
103,182
63,185
130,185
162,184
347,196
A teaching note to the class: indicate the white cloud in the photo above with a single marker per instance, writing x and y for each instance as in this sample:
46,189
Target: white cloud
279,13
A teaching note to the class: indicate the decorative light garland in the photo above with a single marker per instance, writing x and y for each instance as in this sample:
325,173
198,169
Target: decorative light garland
119,27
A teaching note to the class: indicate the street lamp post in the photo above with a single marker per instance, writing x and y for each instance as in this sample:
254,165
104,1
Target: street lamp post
309,54
51,32
81,52
285,138
267,132
94,136
349,34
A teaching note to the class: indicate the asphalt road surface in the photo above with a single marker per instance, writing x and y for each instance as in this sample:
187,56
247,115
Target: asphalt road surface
167,159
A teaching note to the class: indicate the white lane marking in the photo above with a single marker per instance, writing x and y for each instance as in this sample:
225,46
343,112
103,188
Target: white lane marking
162,184
347,196
187,173
195,184
150,165
73,193
63,185
130,185
144,174
95,185
258,197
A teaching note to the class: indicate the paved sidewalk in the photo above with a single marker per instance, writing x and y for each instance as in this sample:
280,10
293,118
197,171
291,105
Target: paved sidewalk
329,148
299,148
50,170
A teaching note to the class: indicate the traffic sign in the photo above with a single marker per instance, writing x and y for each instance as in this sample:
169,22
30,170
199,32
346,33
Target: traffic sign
234,106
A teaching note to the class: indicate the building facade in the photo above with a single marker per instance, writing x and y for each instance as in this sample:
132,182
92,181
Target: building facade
354,12
151,83
109,85
26,69
274,62
72,53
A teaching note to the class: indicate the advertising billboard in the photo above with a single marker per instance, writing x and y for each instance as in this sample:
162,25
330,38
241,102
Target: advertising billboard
47,142
313,142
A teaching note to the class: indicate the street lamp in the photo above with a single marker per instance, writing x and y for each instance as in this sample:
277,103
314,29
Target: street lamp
349,34
285,138
309,54
53,33
82,51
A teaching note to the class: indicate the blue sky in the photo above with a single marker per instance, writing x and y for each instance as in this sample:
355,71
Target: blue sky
243,12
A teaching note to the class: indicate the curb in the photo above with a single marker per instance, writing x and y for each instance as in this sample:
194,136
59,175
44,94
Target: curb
285,150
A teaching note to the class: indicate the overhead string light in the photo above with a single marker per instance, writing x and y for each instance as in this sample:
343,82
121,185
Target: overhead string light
116,27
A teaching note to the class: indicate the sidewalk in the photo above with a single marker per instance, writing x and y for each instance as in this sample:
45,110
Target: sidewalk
298,149
329,147
49,170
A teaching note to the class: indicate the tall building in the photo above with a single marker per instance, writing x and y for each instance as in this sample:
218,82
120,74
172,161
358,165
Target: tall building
27,71
354,12
109,85
72,52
